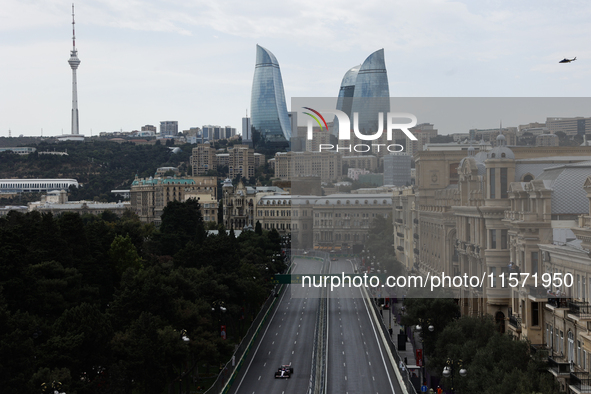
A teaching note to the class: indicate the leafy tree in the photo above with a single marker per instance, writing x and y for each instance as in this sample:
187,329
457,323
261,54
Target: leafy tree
496,363
258,229
124,255
181,223
439,311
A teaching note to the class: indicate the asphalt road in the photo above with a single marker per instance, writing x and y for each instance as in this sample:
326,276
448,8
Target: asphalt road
357,360
288,339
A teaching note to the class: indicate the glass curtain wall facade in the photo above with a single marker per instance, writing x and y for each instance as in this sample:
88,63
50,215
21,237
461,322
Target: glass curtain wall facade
268,108
345,99
371,94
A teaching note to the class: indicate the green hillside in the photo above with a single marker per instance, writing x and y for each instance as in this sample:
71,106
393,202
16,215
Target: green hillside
100,166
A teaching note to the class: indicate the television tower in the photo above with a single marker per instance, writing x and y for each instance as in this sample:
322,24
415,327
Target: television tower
74,63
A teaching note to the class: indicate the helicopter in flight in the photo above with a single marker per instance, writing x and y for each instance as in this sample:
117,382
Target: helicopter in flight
565,60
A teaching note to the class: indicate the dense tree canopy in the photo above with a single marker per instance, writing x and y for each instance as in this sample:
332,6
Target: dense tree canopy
495,363
98,303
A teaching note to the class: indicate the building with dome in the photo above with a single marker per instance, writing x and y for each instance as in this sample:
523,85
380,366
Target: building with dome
461,222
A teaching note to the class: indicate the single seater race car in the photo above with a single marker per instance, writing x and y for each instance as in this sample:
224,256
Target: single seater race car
284,371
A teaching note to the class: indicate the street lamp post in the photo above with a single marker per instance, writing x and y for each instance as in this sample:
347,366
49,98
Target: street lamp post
186,340
448,371
219,306
419,328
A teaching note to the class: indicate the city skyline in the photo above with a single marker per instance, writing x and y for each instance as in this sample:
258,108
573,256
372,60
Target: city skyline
150,61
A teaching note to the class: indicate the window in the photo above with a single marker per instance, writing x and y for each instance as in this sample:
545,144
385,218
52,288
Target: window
534,263
584,364
578,352
492,182
493,271
503,183
503,239
535,314
493,239
561,343
571,346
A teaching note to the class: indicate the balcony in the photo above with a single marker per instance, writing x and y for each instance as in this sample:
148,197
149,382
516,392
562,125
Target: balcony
582,310
399,221
559,302
539,352
400,248
399,207
579,382
558,366
537,294
416,236
400,235
515,323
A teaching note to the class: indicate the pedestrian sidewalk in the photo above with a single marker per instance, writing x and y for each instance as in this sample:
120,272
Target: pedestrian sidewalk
391,320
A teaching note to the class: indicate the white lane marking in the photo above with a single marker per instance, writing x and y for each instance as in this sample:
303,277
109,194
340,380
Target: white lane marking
345,377
344,364
273,343
259,378
292,352
265,364
294,342
379,346
370,363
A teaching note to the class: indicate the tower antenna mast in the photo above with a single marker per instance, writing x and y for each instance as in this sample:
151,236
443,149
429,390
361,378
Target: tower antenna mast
74,63
73,30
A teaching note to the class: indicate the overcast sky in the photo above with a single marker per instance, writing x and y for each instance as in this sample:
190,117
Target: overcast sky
193,61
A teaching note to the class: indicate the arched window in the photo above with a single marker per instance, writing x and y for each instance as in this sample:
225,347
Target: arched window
528,178
503,154
493,155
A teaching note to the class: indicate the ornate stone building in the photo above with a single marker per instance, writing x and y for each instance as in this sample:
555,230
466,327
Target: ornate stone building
149,196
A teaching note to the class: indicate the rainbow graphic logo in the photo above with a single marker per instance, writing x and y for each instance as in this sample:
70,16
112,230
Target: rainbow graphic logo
315,118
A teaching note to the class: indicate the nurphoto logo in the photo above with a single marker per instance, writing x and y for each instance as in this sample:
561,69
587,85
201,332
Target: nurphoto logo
344,132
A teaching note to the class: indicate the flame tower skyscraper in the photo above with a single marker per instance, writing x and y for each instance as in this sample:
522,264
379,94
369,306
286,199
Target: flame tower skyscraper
74,63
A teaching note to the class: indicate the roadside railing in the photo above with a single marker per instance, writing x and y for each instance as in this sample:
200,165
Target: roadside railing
228,371
405,373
